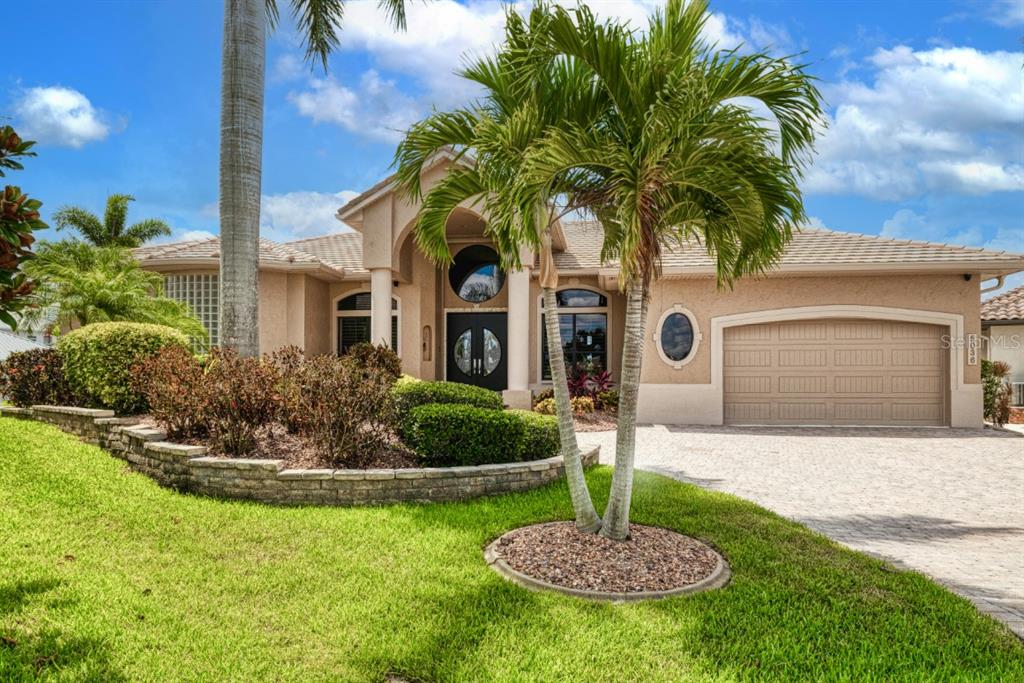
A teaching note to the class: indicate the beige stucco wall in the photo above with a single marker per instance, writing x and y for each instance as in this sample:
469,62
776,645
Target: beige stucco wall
943,293
318,317
1006,343
273,310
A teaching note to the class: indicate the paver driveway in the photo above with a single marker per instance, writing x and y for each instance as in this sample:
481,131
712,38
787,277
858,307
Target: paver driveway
946,502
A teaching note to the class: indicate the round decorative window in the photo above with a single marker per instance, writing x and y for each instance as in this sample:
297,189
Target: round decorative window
476,274
677,336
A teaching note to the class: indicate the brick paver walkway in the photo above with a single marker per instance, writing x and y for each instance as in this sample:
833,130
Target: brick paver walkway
946,502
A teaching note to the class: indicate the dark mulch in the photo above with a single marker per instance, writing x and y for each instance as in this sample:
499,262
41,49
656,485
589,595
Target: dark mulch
652,559
598,421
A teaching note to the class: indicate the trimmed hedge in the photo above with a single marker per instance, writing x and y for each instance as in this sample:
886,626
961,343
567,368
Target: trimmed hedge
408,395
541,439
452,434
98,360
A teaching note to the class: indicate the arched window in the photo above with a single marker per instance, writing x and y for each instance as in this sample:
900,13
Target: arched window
476,275
353,321
583,325
676,336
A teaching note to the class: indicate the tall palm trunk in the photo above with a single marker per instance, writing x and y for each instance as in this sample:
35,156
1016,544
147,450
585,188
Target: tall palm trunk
586,516
241,152
616,515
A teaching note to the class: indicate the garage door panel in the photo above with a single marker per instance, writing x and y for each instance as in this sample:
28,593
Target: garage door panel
835,372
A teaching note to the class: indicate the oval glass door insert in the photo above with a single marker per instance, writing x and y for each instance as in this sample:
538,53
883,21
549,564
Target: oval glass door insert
492,352
464,352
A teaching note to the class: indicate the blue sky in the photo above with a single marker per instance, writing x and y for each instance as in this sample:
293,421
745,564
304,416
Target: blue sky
926,101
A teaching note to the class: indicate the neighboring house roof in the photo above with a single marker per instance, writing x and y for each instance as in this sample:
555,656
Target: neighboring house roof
810,250
1007,306
206,253
11,344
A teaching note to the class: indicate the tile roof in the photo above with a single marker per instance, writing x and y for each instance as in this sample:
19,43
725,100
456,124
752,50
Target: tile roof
810,247
1007,306
341,250
270,252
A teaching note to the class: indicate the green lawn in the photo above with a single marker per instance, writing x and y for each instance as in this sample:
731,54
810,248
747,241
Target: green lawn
105,576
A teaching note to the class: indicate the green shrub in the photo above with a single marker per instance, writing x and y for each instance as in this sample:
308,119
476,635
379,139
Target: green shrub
240,399
996,390
35,377
545,407
608,400
174,386
543,395
581,405
408,395
98,360
453,434
540,439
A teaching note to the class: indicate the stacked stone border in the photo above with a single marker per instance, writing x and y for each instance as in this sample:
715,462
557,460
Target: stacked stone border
191,469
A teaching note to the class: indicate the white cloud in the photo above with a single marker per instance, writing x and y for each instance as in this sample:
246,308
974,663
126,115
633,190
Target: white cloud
190,235
288,67
60,116
946,119
376,109
1007,12
293,215
440,37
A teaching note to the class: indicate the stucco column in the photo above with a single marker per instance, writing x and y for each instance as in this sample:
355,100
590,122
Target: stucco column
518,393
380,306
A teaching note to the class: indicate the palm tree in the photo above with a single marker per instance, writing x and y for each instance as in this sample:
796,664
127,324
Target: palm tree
241,143
675,159
84,284
111,232
516,109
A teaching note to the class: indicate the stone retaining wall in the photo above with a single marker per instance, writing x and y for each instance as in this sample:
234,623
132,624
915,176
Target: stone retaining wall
189,468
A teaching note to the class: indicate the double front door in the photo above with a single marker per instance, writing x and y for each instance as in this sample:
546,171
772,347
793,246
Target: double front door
476,349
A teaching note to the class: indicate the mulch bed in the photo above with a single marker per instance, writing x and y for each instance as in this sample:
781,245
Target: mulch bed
652,559
598,421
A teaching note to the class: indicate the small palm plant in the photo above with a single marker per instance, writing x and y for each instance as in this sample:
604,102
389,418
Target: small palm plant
515,111
675,158
113,230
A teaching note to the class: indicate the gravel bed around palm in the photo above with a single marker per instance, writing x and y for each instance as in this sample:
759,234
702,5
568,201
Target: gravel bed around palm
651,559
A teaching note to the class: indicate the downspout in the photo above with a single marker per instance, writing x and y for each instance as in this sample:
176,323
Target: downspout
997,285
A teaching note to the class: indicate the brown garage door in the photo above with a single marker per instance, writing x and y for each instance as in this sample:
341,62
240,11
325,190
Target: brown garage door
860,372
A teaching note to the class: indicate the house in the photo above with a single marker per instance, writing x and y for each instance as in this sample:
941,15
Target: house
847,330
1002,329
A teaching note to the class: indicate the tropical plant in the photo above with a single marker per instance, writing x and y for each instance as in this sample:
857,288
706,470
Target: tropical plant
100,361
240,400
111,231
241,142
174,385
19,217
674,158
35,377
998,394
85,284
521,99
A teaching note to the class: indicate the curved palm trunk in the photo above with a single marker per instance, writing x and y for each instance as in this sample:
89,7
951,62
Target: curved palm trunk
241,152
586,516
616,515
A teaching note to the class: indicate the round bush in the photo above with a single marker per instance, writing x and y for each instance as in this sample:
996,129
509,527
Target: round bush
35,377
408,395
98,360
540,439
452,434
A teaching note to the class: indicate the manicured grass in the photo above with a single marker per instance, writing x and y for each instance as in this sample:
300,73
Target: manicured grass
105,576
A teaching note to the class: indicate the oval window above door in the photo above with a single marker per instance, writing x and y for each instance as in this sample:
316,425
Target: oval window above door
476,275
